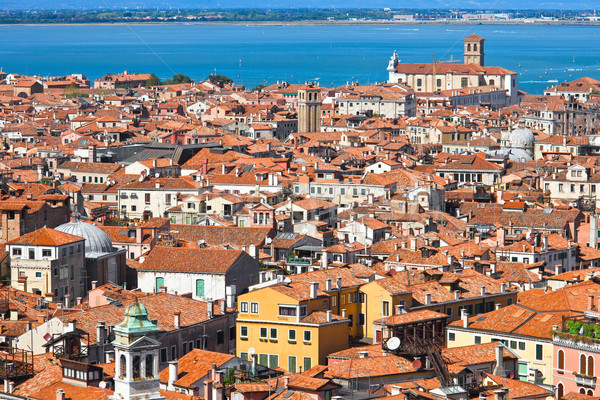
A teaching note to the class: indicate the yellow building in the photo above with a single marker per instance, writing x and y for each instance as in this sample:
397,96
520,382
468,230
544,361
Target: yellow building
443,292
289,325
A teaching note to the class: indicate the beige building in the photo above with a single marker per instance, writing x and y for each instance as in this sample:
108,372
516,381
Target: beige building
309,109
49,263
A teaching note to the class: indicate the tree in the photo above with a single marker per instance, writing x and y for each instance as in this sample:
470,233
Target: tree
153,81
220,80
259,88
72,91
177,78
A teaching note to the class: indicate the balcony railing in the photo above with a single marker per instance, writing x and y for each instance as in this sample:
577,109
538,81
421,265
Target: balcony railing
300,261
585,380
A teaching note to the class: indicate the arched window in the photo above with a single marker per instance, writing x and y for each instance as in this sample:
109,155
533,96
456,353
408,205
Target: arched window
582,364
560,390
475,47
136,367
256,218
492,82
590,366
261,218
561,359
590,392
468,46
582,391
123,365
149,366
266,219
419,82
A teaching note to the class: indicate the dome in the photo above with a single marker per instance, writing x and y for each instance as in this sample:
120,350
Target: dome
96,241
136,320
521,138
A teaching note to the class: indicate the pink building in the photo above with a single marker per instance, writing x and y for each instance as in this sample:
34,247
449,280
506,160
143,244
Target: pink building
577,356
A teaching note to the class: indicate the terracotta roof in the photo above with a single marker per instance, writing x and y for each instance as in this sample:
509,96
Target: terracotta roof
46,237
194,366
185,259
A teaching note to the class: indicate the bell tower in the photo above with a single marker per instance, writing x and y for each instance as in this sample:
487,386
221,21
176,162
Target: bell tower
136,356
474,52
309,109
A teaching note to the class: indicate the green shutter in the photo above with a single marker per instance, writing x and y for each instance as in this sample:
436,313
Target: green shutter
273,361
199,287
263,359
292,364
539,352
159,282
307,363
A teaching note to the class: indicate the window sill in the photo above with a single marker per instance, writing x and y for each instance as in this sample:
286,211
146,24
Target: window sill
291,341
307,343
243,338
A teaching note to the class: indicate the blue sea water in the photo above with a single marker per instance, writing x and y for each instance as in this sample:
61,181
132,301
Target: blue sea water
332,54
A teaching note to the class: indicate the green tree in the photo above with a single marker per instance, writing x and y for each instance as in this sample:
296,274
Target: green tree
72,91
153,81
177,78
220,80
259,88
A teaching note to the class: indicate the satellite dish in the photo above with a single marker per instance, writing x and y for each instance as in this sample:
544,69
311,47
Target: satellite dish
417,364
393,343
157,175
251,351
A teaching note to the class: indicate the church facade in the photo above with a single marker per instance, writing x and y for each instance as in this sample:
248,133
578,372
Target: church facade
435,77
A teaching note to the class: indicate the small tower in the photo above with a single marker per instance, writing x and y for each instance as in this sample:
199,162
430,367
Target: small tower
309,109
136,356
474,52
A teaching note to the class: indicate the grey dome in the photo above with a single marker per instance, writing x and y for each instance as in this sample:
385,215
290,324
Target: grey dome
96,241
521,138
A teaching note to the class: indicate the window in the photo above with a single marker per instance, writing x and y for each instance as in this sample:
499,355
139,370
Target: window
451,336
31,254
149,366
560,187
522,346
292,335
513,344
287,311
361,319
16,252
244,356
254,308
464,82
173,352
590,366
263,333
419,82
477,339
385,308
307,336
561,360
273,334
38,274
199,287
243,332
220,337
46,253
244,306
307,363
539,352
147,198
263,359
292,364
438,83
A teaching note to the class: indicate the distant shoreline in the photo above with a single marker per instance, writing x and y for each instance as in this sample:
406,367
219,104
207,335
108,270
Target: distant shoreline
316,22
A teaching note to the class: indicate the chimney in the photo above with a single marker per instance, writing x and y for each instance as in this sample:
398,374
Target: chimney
324,260
210,309
78,300
344,313
100,332
493,268
314,286
173,373
545,247
593,231
464,316
204,166
208,389
177,319
413,244
67,301
329,318
396,246
427,299
498,306
482,291
503,287
286,381
94,284
590,303
500,237
363,354
457,295
338,282
230,292
499,369
477,238
60,394
328,285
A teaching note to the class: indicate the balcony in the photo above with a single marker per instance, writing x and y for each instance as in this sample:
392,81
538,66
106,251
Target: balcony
300,261
585,380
